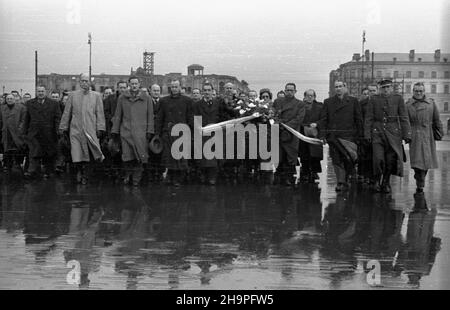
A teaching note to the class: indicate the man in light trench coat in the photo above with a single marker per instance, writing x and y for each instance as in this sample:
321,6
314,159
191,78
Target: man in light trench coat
134,121
423,117
84,121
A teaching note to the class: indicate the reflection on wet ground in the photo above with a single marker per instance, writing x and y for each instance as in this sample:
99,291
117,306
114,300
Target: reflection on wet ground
224,237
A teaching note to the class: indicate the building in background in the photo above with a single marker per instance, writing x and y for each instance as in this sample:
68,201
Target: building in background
405,69
194,79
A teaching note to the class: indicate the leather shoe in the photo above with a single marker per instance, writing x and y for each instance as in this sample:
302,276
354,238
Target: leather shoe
339,187
377,187
386,188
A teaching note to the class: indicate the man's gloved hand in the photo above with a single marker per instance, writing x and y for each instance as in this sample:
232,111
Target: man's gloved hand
150,136
100,134
62,133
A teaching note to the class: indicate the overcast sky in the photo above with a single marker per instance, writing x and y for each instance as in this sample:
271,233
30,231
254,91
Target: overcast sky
265,42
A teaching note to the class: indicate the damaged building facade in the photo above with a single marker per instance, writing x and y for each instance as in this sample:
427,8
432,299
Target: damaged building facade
194,78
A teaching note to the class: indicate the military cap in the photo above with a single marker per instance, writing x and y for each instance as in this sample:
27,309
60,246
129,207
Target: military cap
385,82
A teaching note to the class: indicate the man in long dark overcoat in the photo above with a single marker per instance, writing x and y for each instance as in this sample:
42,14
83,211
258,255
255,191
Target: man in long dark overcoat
211,111
290,111
112,162
12,119
340,120
365,153
41,132
155,168
174,109
310,154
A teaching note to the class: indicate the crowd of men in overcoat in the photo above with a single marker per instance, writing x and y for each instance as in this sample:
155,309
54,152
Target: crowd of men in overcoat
129,134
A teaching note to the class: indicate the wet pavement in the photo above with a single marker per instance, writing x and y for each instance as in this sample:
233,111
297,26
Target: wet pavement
226,237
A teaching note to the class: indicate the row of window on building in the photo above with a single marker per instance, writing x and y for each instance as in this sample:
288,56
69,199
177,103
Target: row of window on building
430,89
407,75
421,75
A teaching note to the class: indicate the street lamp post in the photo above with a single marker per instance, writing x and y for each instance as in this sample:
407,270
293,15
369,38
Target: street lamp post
362,62
90,56
373,65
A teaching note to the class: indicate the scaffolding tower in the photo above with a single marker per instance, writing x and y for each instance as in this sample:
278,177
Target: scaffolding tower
149,62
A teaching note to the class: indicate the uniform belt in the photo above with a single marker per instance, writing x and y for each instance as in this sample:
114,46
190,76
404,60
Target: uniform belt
387,121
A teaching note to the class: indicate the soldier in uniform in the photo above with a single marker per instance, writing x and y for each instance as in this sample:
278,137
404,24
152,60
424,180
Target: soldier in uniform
385,125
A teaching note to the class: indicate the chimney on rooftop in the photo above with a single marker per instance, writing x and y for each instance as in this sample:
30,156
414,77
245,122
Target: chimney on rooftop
356,57
412,55
367,55
437,55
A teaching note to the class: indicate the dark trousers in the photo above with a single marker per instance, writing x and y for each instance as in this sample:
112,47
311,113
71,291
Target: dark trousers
85,169
365,160
384,158
286,167
420,176
209,173
309,164
155,168
342,167
134,169
12,157
47,161
63,156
